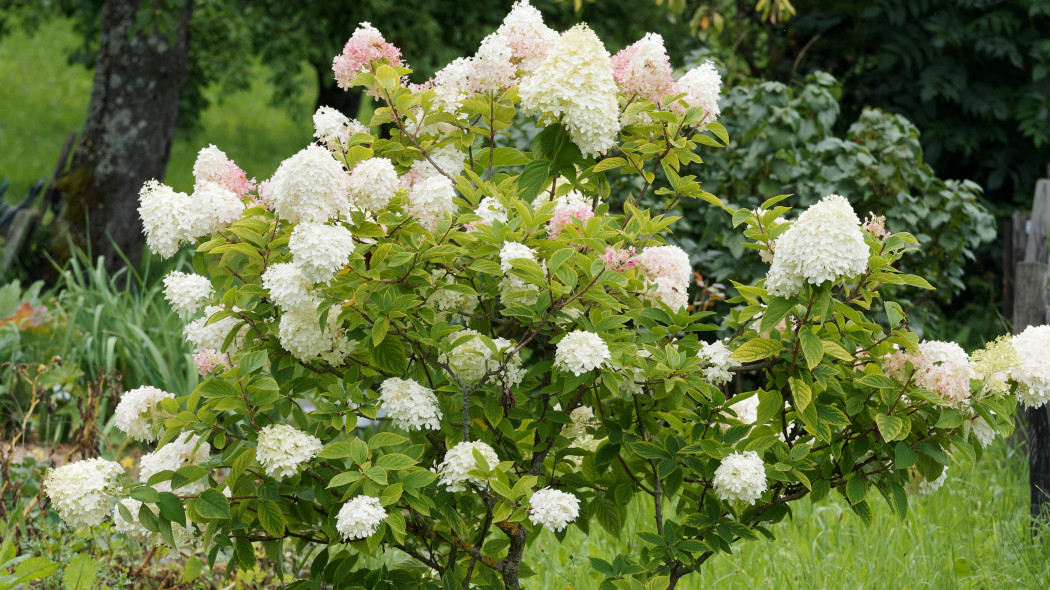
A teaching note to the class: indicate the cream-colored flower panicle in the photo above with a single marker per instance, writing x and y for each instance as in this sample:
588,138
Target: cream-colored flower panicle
825,244
186,292
80,491
186,449
1032,372
282,450
310,186
575,85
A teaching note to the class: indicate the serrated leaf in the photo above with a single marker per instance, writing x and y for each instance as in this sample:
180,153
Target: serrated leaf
777,309
891,427
757,349
812,347
802,392
271,518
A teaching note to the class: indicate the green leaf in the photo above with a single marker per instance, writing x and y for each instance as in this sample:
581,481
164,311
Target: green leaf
903,456
379,330
171,508
856,489
802,391
34,568
212,505
80,573
757,349
812,348
877,381
145,494
243,551
891,427
192,570
271,518
532,180
385,439
894,313
777,309
395,462
339,450
559,257
391,494
390,356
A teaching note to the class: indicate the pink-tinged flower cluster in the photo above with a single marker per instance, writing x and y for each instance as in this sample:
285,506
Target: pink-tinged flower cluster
876,226
643,69
941,367
213,165
620,260
365,47
667,271
526,35
208,360
564,214
701,86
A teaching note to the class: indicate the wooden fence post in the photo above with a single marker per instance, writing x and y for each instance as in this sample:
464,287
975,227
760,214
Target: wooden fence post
1031,307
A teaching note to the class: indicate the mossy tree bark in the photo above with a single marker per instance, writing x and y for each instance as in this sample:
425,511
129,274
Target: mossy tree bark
139,76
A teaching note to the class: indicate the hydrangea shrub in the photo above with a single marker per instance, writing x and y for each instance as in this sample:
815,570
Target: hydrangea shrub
528,345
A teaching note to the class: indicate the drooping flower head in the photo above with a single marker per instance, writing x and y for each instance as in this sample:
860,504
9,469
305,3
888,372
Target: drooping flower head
410,405
160,208
139,412
282,449
80,491
918,486
359,518
740,477
575,85
825,244
459,462
553,509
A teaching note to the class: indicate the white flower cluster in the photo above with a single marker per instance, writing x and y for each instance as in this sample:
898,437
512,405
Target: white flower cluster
359,518
553,509
644,70
373,182
719,361
702,86
582,419
459,461
287,286
489,210
740,477
667,271
449,159
186,449
514,251
410,405
430,199
826,243
334,129
310,186
512,287
80,491
579,352
170,218
575,84
186,292
473,358
281,449
918,486
300,333
320,250
1032,373
746,410
211,336
941,367
139,411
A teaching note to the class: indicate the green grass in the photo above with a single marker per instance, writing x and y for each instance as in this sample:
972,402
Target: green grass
44,98
973,533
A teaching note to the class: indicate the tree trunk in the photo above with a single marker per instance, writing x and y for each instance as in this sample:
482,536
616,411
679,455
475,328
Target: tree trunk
127,137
